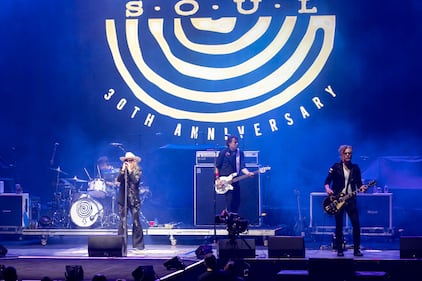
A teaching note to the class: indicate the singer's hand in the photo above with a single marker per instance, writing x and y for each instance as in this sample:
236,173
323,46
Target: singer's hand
125,166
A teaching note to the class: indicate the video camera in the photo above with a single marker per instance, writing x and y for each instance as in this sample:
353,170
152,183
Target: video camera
234,223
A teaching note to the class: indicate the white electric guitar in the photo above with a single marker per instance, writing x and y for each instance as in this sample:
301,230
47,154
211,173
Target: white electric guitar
224,184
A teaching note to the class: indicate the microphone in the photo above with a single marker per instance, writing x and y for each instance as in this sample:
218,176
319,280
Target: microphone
125,166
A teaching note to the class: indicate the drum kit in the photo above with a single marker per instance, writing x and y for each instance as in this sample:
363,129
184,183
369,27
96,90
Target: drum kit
88,203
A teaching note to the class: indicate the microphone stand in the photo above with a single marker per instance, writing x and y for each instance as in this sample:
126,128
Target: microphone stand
215,202
125,235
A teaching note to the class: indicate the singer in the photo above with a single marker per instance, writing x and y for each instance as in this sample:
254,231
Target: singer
129,179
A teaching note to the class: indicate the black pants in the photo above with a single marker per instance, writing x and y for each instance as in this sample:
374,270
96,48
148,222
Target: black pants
352,211
233,199
137,232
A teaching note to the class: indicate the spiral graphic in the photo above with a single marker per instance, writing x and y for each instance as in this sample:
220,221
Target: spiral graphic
84,209
85,212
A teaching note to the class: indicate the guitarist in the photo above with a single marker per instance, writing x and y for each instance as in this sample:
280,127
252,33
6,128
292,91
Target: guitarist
345,177
231,160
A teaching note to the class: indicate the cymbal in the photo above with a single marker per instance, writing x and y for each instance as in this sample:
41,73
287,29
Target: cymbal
111,171
76,179
58,170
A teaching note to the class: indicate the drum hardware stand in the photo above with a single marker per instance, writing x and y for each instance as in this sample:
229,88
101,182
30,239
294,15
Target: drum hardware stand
60,217
60,208
125,219
142,218
113,218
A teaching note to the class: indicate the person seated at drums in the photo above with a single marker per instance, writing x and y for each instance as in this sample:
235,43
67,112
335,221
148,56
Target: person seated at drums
104,166
129,179
107,171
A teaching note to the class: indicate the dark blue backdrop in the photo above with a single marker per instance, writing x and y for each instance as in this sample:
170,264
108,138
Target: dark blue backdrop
56,66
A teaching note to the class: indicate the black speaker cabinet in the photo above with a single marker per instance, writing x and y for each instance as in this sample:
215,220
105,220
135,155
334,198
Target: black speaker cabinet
105,246
14,209
375,210
329,269
411,247
204,194
286,247
236,248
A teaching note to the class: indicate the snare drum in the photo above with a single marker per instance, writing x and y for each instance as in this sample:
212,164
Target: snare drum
97,188
86,211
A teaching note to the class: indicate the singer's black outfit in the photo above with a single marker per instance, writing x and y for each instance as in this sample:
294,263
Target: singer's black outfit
227,164
133,204
337,179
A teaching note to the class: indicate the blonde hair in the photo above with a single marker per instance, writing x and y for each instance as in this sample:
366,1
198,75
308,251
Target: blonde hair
343,147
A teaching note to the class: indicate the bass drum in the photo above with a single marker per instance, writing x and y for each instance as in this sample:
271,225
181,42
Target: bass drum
86,211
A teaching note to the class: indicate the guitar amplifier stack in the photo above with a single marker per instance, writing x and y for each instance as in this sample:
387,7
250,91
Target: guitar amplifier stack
208,204
375,214
14,210
207,157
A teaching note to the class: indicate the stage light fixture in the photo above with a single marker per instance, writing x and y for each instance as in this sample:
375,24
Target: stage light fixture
74,273
144,273
3,251
202,250
99,277
45,221
175,263
2,268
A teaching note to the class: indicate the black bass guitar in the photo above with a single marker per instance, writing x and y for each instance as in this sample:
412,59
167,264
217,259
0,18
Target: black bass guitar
334,204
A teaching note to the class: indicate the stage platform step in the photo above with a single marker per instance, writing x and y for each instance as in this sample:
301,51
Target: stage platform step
172,233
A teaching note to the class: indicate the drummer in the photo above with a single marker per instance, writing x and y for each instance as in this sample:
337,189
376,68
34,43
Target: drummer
107,171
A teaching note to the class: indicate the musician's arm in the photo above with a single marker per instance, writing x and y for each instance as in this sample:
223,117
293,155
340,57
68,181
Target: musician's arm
327,182
247,172
362,187
328,189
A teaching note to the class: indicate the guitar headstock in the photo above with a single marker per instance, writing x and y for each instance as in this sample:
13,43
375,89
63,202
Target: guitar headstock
264,169
369,184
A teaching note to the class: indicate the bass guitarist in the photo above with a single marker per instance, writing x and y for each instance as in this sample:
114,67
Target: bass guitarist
345,177
231,160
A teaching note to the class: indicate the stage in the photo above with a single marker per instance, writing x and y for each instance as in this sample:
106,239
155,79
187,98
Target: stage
34,260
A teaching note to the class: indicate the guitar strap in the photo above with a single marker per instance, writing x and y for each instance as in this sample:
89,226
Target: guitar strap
238,161
348,175
349,185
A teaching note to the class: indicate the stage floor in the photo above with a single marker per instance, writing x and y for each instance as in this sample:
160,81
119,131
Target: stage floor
34,261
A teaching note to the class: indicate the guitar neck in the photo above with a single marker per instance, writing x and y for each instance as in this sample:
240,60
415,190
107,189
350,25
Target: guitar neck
354,193
350,195
243,176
